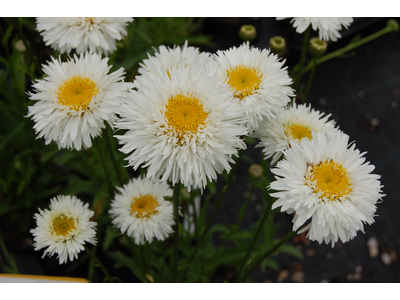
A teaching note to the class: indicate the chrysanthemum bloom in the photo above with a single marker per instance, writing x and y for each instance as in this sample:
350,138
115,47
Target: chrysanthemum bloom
184,126
257,79
292,125
172,57
139,209
65,228
327,180
82,34
75,99
328,28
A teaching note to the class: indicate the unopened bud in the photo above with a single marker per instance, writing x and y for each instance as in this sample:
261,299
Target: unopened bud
277,44
19,46
247,33
256,171
393,24
318,47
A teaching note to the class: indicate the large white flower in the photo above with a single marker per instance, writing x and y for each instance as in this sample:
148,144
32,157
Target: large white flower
82,34
257,79
328,27
183,126
65,228
291,125
328,181
139,209
74,100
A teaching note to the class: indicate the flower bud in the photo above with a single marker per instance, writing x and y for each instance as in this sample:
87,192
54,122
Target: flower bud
19,46
318,47
256,171
277,44
247,33
393,24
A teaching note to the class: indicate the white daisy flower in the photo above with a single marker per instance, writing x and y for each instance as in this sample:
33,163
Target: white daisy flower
82,34
172,57
257,79
328,27
65,228
327,180
183,126
75,99
291,125
141,211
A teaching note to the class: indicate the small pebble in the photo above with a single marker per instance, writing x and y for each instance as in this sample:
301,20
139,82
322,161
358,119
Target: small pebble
310,252
373,249
283,275
258,207
386,259
357,276
350,277
358,269
298,276
374,122
393,255
299,247
322,101
329,255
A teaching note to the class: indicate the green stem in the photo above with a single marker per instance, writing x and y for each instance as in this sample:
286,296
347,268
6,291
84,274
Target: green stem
349,47
106,170
302,58
310,79
195,218
147,255
255,238
175,199
111,151
136,254
98,263
9,257
259,259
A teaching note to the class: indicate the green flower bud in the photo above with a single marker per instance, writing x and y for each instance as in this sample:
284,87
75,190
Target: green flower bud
256,171
393,24
19,46
247,33
318,47
277,44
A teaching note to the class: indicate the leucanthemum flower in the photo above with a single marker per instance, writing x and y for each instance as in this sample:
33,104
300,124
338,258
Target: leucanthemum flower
184,126
291,125
172,57
327,181
328,27
74,100
140,210
82,34
65,228
257,80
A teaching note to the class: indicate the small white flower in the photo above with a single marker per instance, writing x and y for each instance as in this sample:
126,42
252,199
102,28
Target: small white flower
328,27
82,34
328,181
291,125
65,228
74,100
257,79
139,209
184,126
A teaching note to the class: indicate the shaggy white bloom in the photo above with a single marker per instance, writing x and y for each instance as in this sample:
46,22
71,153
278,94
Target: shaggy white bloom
291,125
257,79
327,180
172,57
328,27
139,209
65,228
74,100
184,126
82,34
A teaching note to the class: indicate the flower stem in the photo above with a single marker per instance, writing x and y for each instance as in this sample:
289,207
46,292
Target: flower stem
260,258
106,170
310,79
175,199
9,256
98,263
302,58
114,162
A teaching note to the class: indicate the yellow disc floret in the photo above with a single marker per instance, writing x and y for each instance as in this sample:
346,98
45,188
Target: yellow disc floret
244,80
63,225
298,132
77,92
329,180
185,114
144,206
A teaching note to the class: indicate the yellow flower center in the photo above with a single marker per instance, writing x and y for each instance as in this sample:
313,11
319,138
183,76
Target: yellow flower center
185,114
144,206
77,92
63,225
244,80
329,179
298,132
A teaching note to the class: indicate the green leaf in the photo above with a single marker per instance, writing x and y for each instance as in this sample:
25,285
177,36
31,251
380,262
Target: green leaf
7,35
124,261
292,250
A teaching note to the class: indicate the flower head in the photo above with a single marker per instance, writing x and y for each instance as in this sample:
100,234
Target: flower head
82,34
292,125
328,28
184,126
65,228
257,80
139,209
74,100
327,180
